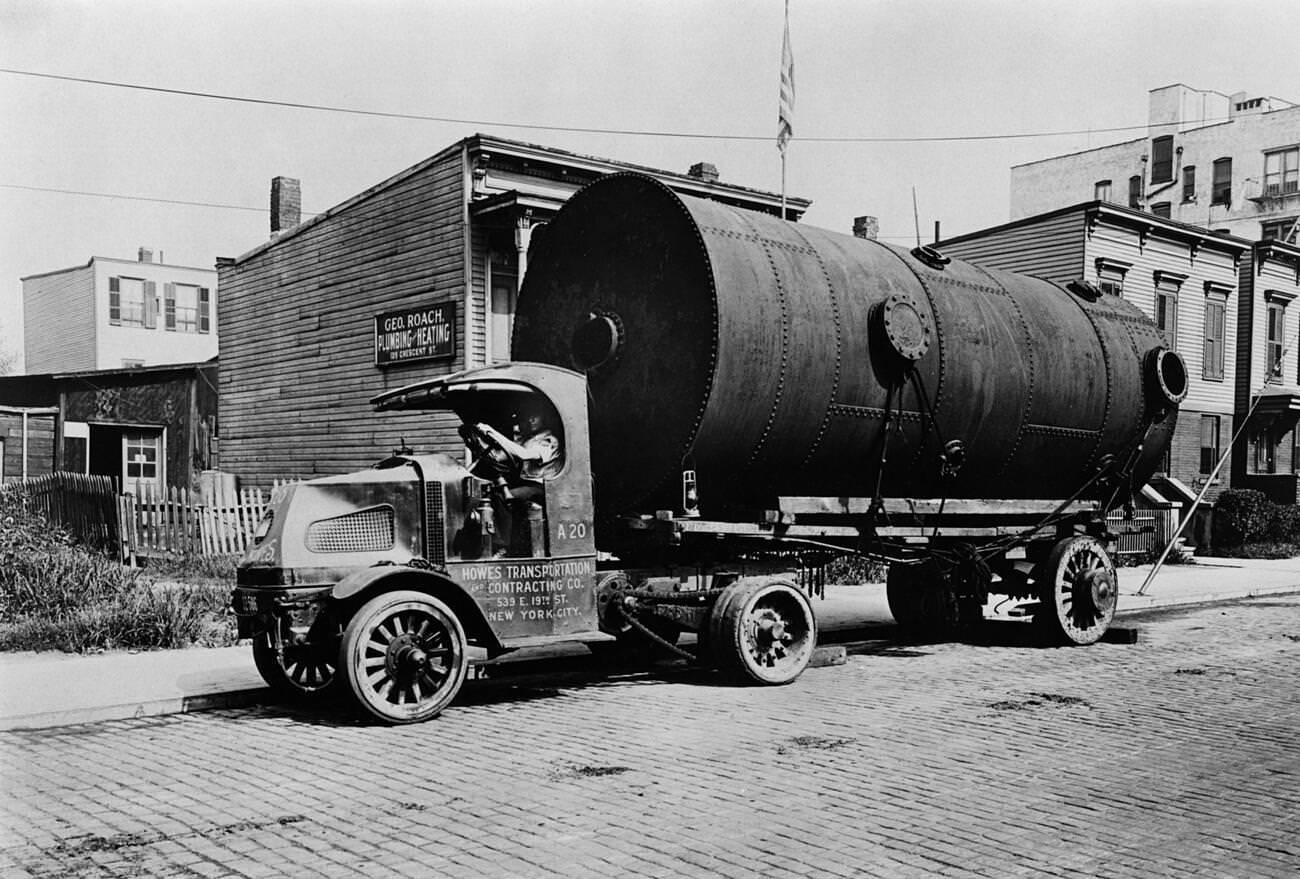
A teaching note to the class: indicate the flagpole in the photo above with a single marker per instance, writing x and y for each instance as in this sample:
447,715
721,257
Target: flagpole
785,127
783,184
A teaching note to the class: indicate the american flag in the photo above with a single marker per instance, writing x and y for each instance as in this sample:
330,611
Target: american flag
785,117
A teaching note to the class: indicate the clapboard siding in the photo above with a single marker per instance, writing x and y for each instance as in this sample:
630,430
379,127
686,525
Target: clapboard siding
1052,249
59,319
1154,254
297,317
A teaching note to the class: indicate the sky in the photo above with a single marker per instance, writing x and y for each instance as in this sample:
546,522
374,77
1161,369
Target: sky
96,170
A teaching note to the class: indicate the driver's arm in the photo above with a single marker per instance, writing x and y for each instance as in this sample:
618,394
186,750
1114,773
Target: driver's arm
501,441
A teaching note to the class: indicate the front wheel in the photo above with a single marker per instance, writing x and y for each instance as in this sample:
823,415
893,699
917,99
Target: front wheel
762,630
404,656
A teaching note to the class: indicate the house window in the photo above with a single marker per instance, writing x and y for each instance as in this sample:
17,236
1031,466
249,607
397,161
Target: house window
1162,159
1209,443
187,308
1263,452
126,302
1282,172
1167,306
1274,341
1189,183
1110,279
132,302
1278,230
1161,209
1135,191
1216,310
1221,192
1101,190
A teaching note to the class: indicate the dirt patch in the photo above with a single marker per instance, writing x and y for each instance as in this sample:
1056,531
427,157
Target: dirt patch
812,743
1039,700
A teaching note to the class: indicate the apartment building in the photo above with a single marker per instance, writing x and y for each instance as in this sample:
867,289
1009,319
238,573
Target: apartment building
1226,163
118,313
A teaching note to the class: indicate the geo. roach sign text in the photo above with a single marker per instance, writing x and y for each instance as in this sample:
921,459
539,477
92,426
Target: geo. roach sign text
422,333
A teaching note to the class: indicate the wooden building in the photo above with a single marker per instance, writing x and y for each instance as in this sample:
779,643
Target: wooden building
414,277
153,426
1266,455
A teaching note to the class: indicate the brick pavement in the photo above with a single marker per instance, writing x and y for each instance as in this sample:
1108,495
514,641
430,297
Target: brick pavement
1176,756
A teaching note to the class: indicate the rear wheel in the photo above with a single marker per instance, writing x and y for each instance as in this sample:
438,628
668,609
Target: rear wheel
404,656
762,631
299,671
1077,591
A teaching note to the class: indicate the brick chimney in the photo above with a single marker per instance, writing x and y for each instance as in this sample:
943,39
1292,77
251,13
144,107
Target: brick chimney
704,171
145,255
286,204
866,227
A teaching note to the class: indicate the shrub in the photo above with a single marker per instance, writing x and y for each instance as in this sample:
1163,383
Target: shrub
1241,515
855,569
1285,527
58,595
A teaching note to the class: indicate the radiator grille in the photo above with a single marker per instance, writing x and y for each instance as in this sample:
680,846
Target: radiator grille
435,549
370,530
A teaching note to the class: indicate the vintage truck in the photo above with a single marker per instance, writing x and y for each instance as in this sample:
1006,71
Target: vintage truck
740,400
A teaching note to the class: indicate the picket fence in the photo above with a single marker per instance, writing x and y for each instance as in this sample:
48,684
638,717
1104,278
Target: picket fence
84,505
147,521
176,521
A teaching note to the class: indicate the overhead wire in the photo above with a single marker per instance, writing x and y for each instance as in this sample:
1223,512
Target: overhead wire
580,129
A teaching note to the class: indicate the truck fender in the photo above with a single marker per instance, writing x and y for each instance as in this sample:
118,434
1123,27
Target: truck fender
358,587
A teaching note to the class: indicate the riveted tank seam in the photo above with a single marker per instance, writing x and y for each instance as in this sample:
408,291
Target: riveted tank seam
783,302
852,411
839,346
1029,353
1105,359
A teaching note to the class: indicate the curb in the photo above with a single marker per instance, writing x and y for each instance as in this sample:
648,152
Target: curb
135,710
1147,603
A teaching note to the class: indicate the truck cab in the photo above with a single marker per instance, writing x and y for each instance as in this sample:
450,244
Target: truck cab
384,578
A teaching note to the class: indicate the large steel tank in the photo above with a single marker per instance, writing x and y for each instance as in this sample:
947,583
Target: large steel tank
772,358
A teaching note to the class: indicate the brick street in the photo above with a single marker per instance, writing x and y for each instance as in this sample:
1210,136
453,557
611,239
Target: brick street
1176,756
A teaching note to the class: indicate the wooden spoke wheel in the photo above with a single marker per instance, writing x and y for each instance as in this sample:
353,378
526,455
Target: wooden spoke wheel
1077,589
404,656
301,671
762,630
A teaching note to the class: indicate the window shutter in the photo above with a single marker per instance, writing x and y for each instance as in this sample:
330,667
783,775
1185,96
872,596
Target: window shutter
169,307
150,304
114,302
205,310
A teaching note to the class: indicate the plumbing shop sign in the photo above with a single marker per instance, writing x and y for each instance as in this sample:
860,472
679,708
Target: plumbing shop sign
410,334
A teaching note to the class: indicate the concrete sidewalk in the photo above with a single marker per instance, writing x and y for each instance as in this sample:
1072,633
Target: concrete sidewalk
42,690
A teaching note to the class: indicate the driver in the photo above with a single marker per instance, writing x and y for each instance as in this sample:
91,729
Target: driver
516,467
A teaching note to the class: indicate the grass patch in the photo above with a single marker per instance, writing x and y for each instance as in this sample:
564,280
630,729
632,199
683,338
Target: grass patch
56,594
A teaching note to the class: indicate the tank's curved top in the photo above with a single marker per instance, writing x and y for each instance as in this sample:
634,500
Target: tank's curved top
769,357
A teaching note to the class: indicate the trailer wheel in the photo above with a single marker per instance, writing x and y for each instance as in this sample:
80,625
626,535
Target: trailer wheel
1077,590
303,671
404,656
922,603
762,631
